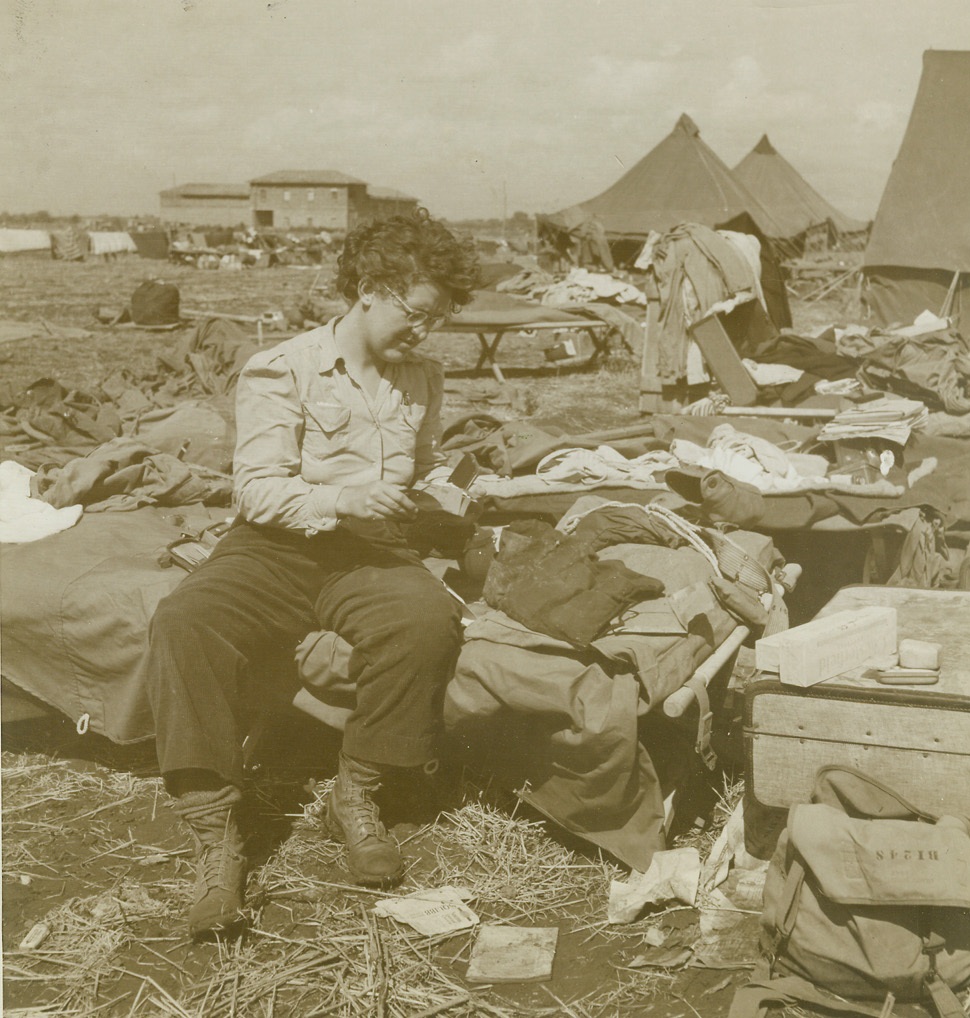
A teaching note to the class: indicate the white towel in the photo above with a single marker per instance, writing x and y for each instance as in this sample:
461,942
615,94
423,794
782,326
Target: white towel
23,518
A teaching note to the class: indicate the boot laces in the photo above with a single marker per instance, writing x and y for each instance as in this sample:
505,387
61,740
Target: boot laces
365,814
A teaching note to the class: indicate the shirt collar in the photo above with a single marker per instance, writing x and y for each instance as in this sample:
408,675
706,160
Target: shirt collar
330,355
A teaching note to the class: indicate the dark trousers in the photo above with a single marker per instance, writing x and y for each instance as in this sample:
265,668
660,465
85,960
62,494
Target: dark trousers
261,591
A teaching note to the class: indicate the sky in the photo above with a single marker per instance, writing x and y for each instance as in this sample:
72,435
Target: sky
477,108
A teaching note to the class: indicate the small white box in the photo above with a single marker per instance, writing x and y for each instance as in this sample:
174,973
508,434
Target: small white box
828,646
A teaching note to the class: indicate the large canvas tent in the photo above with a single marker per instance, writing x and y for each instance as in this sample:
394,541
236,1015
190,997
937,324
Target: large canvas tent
793,203
681,180
918,256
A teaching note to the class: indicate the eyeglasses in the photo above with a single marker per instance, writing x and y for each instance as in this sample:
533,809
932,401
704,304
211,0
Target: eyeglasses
416,319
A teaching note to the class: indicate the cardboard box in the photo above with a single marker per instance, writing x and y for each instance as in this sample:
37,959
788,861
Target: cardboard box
829,646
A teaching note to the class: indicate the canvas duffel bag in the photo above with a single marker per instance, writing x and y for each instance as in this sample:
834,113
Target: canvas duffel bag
865,896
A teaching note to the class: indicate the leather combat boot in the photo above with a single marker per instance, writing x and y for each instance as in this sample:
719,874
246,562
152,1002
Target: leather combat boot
352,817
221,866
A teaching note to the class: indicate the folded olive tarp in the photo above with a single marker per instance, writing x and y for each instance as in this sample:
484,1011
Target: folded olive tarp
75,608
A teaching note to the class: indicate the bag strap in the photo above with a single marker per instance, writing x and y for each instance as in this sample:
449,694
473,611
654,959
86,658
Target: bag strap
790,896
705,720
761,991
944,999
754,998
787,910
857,793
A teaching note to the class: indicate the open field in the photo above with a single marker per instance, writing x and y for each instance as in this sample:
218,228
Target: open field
90,849
68,294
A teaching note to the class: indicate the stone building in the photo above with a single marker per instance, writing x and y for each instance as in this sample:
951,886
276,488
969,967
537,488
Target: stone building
207,205
288,199
316,199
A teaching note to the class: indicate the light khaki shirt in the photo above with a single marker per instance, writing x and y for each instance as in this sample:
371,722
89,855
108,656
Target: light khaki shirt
306,429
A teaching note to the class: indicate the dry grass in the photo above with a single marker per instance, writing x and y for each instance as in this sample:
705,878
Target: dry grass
315,947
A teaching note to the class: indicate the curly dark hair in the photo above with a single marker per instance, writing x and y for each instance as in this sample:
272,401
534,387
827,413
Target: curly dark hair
401,251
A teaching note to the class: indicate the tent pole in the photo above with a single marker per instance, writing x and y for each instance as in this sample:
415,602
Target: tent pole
651,389
948,300
838,281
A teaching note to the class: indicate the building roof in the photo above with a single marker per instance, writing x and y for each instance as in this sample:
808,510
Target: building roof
787,195
388,194
207,191
922,219
680,180
307,178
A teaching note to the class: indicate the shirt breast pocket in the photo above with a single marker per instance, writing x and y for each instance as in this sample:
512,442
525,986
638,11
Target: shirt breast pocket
326,428
413,416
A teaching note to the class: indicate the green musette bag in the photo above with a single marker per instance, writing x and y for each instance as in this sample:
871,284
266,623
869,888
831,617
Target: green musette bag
866,895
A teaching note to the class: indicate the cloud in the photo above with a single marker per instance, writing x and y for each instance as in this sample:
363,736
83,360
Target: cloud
623,83
749,93
475,55
879,115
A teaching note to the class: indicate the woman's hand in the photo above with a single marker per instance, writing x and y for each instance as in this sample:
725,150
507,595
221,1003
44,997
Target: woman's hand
379,500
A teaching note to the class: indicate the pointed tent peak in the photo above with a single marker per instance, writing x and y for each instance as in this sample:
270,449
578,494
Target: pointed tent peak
786,194
688,126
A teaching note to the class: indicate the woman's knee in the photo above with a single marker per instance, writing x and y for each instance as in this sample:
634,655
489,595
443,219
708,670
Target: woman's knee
183,617
429,607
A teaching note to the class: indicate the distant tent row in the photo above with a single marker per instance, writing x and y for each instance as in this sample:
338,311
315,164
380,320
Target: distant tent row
71,244
683,180
23,241
680,180
918,255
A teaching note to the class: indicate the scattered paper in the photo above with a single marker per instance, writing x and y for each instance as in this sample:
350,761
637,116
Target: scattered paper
729,935
718,912
512,954
675,958
749,891
432,912
654,937
892,418
672,875
728,851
